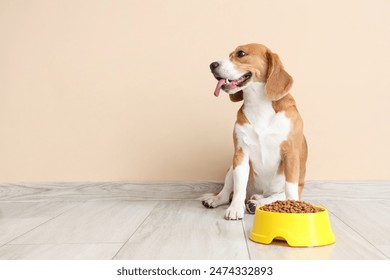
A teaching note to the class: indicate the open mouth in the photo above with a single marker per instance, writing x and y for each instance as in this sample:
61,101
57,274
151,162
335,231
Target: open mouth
227,84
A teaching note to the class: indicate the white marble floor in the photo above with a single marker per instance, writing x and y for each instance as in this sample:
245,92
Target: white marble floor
121,220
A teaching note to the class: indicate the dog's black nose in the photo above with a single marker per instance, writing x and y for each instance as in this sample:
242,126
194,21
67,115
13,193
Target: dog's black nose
214,65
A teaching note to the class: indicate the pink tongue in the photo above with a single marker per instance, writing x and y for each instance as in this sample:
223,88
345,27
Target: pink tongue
218,87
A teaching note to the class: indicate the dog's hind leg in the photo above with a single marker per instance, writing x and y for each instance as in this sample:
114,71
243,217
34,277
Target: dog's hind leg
302,166
212,200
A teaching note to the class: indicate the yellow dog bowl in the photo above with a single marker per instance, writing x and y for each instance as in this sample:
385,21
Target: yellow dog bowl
298,229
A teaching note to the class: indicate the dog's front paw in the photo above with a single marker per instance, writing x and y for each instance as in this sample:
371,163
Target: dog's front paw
235,212
292,191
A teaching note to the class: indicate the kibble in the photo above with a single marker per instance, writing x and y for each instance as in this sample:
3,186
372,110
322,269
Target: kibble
290,206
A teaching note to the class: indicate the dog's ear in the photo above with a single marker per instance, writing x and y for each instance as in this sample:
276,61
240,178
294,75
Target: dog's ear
236,97
279,81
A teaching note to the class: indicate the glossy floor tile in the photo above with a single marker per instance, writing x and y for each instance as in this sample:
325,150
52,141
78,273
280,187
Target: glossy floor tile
18,218
100,251
91,222
186,230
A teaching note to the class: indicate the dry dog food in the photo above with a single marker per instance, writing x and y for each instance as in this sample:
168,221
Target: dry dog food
290,206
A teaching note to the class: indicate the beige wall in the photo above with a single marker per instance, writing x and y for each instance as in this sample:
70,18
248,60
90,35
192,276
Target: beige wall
121,90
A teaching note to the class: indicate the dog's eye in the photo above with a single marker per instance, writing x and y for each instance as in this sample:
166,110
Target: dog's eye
240,54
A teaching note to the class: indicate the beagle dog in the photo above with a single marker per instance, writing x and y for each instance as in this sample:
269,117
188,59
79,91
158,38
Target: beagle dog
270,150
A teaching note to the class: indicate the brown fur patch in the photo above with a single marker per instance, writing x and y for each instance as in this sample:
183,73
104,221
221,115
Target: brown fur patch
237,97
241,118
238,157
238,152
279,81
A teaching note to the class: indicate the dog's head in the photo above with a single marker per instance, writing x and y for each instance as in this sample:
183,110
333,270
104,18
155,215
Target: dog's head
250,64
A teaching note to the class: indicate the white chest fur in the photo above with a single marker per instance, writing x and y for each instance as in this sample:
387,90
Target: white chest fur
261,138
